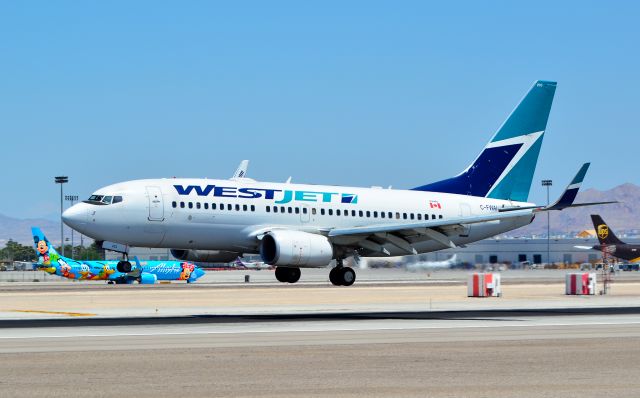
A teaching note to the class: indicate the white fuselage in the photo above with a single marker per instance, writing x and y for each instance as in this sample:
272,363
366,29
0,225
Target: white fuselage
230,214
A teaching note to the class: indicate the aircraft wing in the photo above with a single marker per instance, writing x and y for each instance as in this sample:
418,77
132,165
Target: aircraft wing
402,235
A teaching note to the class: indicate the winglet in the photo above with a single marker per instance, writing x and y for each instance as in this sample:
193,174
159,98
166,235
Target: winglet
570,193
241,171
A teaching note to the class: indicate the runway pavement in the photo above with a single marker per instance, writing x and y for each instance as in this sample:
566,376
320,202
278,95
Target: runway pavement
182,299
586,353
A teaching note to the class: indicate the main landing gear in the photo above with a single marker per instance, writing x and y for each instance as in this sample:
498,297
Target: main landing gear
124,265
341,275
287,274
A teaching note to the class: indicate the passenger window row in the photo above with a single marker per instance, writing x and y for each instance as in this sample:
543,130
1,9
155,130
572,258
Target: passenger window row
214,206
288,209
354,213
304,210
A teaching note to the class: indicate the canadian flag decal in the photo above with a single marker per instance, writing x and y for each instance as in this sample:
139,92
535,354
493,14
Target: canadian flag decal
434,204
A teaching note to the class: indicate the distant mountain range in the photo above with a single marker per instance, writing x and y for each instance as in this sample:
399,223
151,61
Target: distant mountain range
624,216
20,229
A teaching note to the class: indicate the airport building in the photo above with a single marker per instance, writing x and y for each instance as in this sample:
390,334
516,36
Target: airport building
517,250
488,251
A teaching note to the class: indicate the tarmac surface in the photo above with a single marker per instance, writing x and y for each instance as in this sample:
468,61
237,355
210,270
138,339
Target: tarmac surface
404,338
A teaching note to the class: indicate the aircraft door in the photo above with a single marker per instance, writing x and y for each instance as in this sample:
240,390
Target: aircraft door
305,213
156,207
465,211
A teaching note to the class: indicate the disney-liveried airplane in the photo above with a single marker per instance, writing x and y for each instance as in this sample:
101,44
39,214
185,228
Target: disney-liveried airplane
148,272
294,226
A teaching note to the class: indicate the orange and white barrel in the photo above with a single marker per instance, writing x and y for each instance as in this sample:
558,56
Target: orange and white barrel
484,285
580,283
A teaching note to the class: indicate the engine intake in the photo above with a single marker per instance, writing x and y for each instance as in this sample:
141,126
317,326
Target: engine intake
147,278
205,256
295,249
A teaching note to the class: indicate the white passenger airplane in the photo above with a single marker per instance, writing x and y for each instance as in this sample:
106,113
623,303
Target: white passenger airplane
257,265
295,226
403,261
432,265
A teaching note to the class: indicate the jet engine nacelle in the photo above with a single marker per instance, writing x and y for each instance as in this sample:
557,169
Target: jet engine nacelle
205,256
147,278
295,249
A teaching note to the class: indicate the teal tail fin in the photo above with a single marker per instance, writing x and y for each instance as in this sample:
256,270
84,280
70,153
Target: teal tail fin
504,169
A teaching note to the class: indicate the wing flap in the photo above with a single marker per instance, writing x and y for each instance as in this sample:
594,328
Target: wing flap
408,228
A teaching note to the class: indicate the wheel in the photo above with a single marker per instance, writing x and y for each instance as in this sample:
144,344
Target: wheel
347,276
124,266
294,275
282,274
334,276
287,274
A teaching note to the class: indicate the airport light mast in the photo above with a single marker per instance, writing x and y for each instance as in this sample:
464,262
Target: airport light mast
548,183
61,180
72,199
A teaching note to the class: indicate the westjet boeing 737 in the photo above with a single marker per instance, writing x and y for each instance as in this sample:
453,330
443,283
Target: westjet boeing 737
295,226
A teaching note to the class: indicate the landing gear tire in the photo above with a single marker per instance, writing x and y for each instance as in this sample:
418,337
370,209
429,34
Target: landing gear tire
342,276
334,276
287,274
124,266
281,274
348,276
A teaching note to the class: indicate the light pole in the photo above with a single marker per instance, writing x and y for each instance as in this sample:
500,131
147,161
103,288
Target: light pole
72,199
548,183
61,180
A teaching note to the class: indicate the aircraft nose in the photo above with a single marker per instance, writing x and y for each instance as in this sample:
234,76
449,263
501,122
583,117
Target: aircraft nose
199,273
76,215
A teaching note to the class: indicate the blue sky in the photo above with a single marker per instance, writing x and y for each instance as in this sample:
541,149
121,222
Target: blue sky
351,93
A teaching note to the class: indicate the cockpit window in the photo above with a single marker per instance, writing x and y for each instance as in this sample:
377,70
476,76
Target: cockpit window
103,199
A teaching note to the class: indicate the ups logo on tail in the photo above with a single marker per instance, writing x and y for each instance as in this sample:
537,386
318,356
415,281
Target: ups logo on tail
603,231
